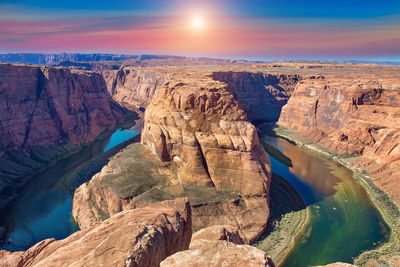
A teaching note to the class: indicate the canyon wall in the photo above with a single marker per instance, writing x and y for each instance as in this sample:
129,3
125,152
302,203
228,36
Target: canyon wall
196,122
261,95
357,113
211,154
134,86
46,113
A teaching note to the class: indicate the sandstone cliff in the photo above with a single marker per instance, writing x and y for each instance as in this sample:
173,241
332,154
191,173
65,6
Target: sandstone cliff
356,113
195,125
261,95
139,237
135,86
45,113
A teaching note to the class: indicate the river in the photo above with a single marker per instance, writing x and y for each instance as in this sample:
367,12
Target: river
343,221
43,206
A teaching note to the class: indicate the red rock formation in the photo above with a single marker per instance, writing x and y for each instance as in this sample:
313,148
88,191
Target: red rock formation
139,237
196,122
219,232
358,113
210,248
135,86
261,95
43,106
43,111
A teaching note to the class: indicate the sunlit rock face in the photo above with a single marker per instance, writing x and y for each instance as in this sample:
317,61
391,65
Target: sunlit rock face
356,112
218,245
134,86
43,106
139,237
45,113
197,123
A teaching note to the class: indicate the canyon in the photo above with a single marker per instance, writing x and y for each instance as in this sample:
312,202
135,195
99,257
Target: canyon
353,115
199,142
46,114
195,125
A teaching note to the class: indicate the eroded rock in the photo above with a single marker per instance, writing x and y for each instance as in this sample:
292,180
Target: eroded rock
355,112
139,237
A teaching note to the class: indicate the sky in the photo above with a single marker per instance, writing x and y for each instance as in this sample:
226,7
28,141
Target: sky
242,29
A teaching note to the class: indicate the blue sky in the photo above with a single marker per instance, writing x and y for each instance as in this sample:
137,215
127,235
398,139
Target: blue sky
236,28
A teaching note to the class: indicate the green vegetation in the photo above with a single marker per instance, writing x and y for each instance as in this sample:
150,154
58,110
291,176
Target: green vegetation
391,215
18,167
288,218
141,174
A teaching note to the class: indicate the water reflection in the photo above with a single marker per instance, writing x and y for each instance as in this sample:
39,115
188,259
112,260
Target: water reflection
343,220
43,206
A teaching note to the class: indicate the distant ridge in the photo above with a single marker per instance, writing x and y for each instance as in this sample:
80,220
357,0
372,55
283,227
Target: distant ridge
33,58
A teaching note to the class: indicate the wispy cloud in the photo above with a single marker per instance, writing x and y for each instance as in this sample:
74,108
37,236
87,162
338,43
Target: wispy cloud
229,32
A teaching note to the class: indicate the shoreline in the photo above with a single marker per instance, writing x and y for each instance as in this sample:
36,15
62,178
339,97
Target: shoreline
392,244
295,238
129,123
289,218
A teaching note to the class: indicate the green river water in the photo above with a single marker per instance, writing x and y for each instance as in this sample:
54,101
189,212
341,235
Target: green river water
343,221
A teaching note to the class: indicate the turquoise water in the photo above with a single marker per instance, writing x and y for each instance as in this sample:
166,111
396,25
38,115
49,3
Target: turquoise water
343,220
120,136
43,206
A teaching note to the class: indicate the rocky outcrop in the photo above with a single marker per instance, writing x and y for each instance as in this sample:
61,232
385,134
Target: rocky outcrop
212,155
134,86
126,182
135,177
139,237
197,123
261,95
45,113
219,232
356,113
210,248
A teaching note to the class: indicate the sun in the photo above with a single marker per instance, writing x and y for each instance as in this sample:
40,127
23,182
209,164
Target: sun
197,23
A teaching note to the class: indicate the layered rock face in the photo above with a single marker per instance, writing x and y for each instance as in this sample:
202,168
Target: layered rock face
261,95
139,237
197,123
45,106
355,113
201,127
135,86
43,109
212,155
218,246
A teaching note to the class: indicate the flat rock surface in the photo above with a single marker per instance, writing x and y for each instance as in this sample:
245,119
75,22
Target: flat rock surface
218,253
